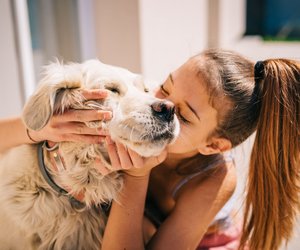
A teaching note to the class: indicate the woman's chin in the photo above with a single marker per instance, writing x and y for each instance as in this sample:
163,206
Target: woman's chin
184,151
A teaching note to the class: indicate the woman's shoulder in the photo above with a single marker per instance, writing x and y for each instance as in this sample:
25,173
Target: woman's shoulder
214,168
222,181
207,198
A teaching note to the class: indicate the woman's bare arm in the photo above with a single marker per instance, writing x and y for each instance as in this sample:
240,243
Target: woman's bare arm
124,229
12,133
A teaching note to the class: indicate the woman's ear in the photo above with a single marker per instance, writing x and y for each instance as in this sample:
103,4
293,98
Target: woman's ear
215,145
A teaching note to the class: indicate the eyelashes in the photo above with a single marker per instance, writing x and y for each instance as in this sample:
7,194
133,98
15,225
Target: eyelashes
177,109
162,89
181,117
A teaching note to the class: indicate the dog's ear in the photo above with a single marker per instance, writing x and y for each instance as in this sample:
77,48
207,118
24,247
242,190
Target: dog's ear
140,83
39,108
146,85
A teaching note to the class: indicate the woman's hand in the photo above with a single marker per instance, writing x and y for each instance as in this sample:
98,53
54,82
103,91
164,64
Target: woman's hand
133,164
70,126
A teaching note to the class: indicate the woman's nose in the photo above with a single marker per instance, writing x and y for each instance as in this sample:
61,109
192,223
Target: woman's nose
164,110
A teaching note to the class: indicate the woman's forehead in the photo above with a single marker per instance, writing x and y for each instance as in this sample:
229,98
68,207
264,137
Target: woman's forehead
192,88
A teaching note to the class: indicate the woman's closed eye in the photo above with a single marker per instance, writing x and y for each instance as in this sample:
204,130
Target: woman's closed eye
163,90
181,117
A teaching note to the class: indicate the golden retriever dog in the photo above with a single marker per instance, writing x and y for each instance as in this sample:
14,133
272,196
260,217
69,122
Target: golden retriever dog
54,198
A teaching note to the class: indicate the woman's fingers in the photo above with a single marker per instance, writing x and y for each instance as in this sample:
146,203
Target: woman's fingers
89,139
120,157
79,128
71,125
124,157
150,162
83,116
143,166
113,154
94,94
101,167
137,160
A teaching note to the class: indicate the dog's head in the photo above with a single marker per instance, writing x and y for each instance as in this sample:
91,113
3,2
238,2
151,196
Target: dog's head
140,121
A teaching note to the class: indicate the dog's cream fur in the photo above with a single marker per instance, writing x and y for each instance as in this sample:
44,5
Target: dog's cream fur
33,216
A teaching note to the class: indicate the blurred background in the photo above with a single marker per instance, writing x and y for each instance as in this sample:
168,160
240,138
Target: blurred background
149,37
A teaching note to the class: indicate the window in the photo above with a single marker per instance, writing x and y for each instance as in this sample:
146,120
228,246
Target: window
274,19
54,31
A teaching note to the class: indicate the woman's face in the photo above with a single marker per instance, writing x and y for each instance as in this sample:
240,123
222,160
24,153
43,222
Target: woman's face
196,115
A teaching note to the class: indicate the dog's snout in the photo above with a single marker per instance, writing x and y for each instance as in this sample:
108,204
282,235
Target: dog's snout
164,110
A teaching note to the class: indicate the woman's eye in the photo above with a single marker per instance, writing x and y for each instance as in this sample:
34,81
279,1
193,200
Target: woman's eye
181,117
163,91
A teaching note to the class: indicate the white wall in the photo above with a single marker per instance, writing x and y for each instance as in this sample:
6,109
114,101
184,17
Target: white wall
10,94
152,37
171,31
117,33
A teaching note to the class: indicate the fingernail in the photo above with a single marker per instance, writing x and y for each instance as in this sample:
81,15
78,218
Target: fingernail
107,115
109,140
102,132
99,131
102,92
104,115
100,139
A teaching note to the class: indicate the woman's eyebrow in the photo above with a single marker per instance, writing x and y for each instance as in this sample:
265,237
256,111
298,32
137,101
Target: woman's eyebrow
171,78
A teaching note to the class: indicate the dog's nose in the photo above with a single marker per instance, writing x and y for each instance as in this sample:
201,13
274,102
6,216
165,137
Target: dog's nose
164,110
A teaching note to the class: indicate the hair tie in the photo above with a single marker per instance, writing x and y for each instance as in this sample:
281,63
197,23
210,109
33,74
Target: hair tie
259,74
259,71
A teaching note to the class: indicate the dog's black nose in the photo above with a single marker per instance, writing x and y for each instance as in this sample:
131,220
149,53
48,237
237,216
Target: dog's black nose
164,110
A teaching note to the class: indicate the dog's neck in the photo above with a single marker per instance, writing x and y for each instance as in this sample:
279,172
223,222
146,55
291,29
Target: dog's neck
51,154
80,176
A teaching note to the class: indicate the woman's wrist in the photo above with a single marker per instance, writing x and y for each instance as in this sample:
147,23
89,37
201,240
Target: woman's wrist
32,138
137,174
26,136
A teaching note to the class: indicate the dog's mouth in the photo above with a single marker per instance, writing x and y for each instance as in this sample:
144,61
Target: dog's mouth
145,134
150,138
148,131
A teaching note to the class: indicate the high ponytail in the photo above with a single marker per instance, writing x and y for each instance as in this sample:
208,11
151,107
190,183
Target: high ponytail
272,201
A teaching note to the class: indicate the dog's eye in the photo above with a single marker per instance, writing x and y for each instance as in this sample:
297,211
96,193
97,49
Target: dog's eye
113,89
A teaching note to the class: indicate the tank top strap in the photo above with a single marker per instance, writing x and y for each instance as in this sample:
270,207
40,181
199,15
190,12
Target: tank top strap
227,158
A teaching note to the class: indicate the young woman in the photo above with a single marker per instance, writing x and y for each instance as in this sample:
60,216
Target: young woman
219,103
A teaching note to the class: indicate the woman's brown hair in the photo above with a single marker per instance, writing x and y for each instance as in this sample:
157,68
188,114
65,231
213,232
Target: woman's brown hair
272,202
269,103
